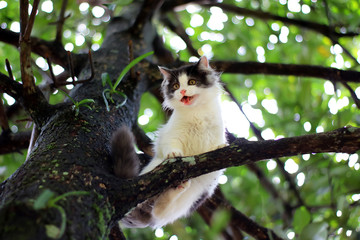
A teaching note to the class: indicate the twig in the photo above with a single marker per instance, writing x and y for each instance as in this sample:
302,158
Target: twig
8,68
25,45
60,23
180,31
54,50
71,67
31,21
353,94
3,118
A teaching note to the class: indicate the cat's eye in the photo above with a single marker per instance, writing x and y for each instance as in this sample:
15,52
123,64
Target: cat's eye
176,86
192,82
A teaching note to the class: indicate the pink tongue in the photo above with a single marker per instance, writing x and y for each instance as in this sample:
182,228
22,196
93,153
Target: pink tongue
185,100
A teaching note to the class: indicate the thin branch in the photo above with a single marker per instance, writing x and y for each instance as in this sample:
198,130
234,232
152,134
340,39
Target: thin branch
52,49
4,123
35,104
180,31
31,21
14,142
60,22
10,87
57,83
8,68
238,219
317,27
353,94
332,74
25,46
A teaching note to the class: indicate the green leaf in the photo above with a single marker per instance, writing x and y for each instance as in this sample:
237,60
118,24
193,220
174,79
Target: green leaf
85,101
42,201
129,66
315,231
72,100
302,218
105,78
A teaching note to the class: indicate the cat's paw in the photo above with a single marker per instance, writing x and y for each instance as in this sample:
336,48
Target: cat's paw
173,154
184,185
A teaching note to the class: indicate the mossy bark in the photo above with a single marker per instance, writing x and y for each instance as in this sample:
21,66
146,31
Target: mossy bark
71,153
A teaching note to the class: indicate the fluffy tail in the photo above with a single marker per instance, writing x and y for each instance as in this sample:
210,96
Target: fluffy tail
126,162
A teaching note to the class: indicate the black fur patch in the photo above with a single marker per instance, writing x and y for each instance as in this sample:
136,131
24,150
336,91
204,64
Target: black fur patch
193,71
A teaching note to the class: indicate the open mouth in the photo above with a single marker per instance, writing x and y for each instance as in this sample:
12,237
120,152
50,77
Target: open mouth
188,100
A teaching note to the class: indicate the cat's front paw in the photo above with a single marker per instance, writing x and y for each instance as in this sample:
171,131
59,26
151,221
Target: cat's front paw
173,154
184,185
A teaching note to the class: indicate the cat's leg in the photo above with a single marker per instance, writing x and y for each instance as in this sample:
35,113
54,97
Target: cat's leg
174,153
164,202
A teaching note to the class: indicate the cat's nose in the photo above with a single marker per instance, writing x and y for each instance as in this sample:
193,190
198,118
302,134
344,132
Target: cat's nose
183,92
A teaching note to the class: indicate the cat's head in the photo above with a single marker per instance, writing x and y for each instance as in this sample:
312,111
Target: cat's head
189,86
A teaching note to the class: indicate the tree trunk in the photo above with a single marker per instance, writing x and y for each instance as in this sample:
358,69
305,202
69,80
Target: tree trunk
67,190
71,154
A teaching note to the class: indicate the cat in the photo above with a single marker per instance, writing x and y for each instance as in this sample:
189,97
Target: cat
195,126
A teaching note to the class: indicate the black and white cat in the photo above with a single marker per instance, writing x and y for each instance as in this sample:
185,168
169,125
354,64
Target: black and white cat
195,126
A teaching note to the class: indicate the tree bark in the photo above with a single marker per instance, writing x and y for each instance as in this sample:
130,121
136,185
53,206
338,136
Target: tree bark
71,154
67,190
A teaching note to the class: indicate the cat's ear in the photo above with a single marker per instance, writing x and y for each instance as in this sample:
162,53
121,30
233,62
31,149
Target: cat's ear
165,72
203,62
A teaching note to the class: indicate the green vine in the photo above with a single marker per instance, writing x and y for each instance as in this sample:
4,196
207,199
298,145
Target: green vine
47,199
109,92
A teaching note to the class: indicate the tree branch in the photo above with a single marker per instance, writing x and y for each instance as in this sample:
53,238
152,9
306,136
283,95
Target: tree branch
11,142
238,219
250,67
26,25
4,123
317,27
52,49
35,104
61,21
240,152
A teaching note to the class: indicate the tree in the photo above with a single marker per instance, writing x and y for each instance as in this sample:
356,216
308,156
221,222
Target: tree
292,73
